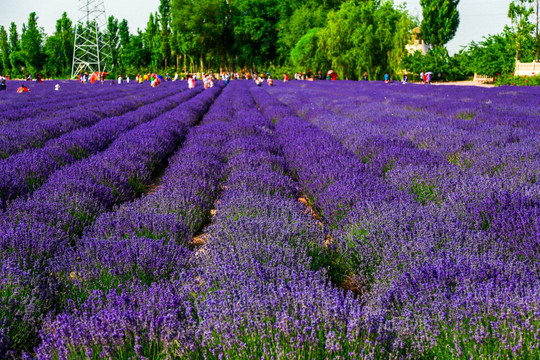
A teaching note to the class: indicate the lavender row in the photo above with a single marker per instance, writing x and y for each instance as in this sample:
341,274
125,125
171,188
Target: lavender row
20,135
263,296
21,109
158,227
23,173
418,265
252,287
504,168
38,231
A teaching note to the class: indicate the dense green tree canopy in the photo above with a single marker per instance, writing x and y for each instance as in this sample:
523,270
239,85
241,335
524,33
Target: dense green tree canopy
440,20
202,35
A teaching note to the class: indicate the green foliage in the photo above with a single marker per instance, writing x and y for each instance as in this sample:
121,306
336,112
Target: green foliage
494,55
307,54
440,21
59,49
370,44
31,44
438,61
425,193
519,12
251,35
509,79
302,20
4,50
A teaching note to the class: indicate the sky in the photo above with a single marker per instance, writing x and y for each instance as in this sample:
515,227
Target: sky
479,18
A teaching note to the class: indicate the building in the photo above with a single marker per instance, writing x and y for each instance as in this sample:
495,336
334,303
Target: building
416,43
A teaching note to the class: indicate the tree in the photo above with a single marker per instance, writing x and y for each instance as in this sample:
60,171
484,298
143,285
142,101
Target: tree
165,20
307,54
14,44
135,55
206,28
302,20
124,37
59,48
254,30
113,40
519,12
494,55
440,21
438,61
4,49
32,43
368,45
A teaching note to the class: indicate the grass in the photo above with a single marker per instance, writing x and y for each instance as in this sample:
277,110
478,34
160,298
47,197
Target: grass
424,192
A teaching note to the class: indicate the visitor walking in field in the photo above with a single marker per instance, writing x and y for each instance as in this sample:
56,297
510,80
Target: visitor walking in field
191,82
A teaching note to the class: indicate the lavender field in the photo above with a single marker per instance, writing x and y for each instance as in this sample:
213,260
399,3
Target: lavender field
309,220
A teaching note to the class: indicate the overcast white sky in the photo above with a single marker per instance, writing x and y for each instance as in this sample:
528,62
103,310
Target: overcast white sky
478,17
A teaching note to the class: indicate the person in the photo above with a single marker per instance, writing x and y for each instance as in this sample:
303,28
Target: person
167,77
175,76
365,76
319,76
3,85
259,81
191,82
56,87
28,77
141,79
285,77
127,79
334,76
270,81
22,89
119,79
386,78
428,78
405,77
422,76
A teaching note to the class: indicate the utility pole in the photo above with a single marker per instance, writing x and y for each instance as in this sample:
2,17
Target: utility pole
90,52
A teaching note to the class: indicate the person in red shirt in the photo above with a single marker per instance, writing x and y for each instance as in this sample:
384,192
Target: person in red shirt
22,89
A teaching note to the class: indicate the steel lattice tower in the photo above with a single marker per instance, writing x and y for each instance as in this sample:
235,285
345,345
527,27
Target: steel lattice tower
90,51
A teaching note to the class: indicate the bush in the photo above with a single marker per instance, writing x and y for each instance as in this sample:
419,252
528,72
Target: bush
510,79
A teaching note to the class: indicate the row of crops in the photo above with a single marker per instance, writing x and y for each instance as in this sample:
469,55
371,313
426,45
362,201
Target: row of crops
309,220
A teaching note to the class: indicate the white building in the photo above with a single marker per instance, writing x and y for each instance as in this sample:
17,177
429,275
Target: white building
416,43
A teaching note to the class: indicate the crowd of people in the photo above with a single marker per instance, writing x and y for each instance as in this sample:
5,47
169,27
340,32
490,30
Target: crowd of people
208,79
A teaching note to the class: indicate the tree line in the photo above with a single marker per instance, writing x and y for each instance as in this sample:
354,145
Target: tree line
495,55
349,36
210,35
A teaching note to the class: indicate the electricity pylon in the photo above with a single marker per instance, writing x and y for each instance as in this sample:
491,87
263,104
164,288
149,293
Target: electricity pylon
90,52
